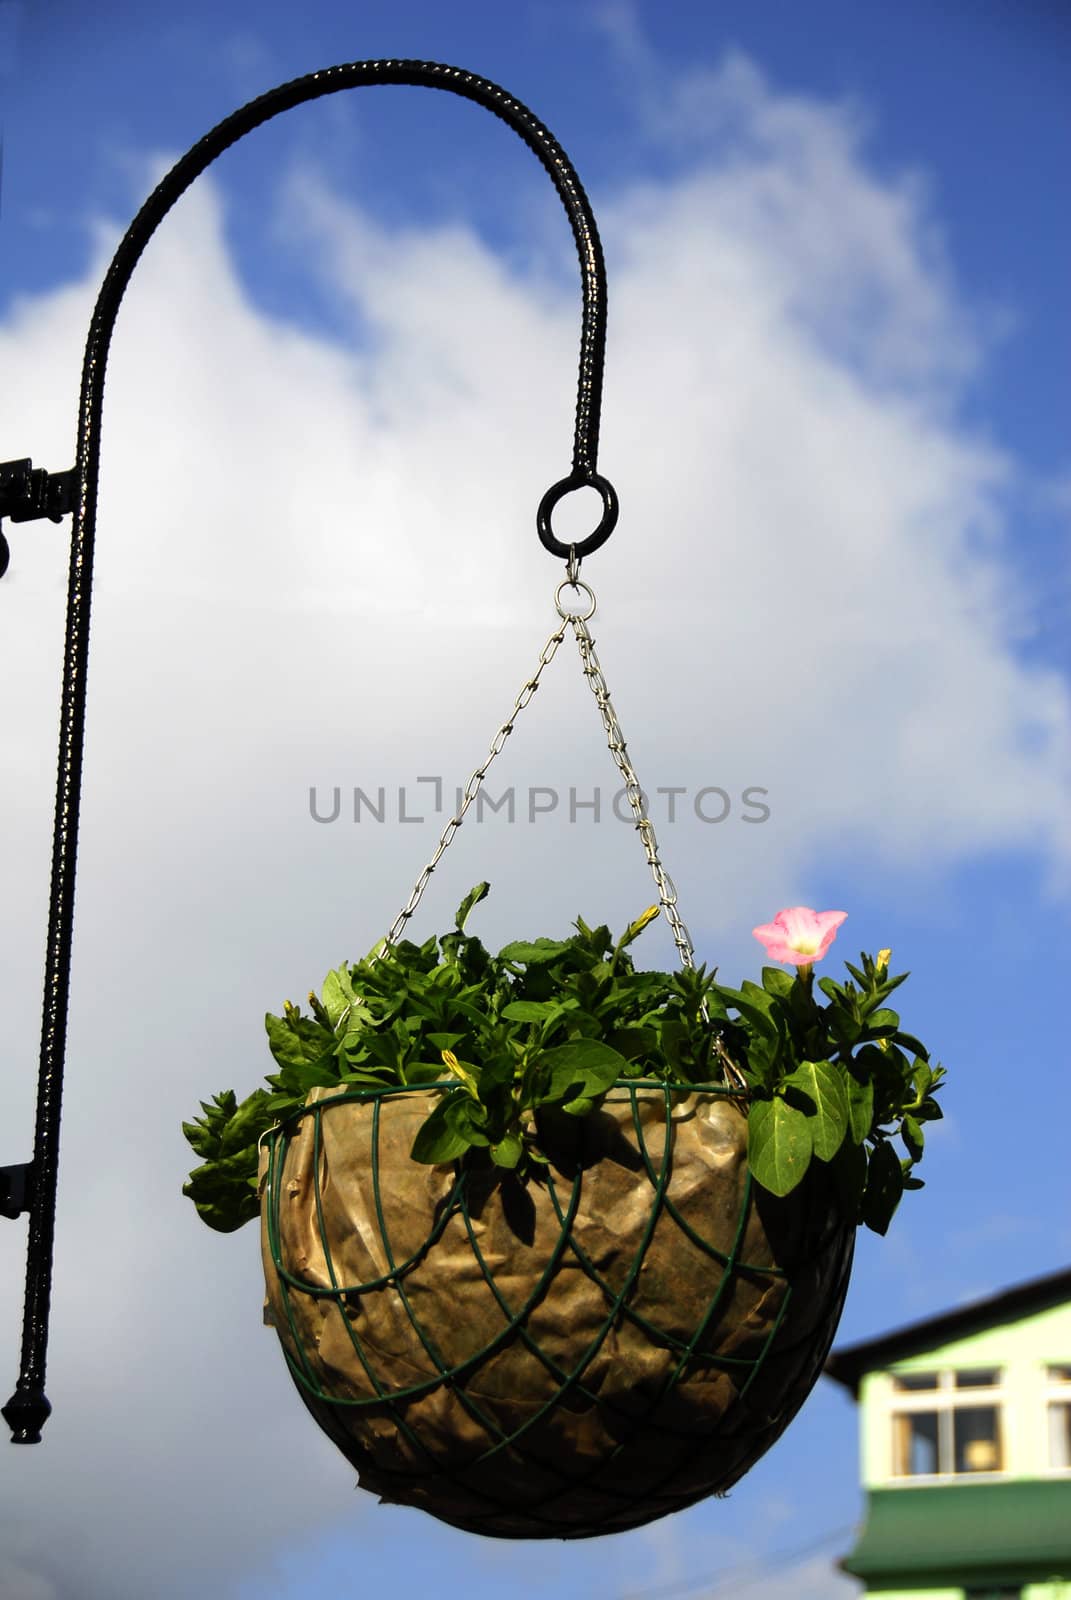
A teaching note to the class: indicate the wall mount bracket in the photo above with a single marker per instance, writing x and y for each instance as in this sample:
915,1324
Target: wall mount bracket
28,493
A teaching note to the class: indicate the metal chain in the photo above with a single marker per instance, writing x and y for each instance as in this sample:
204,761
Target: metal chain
475,783
592,670
667,892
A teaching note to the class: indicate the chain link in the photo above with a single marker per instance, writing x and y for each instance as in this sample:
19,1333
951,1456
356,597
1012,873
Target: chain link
475,783
667,893
592,669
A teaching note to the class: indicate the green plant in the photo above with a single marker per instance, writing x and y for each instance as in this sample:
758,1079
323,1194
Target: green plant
544,1029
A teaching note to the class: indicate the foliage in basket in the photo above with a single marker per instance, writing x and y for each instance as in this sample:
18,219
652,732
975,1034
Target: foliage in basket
545,1028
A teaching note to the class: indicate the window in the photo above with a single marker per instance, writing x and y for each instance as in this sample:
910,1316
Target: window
948,1423
1058,1386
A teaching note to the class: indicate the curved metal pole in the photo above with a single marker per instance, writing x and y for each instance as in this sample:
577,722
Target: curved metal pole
28,1408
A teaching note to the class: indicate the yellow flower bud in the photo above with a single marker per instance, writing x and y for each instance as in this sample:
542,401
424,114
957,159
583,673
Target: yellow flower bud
466,1077
641,922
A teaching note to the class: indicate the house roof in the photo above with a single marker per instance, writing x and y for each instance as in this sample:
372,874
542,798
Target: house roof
851,1364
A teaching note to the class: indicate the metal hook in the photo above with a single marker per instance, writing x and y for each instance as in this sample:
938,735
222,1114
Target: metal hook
28,1407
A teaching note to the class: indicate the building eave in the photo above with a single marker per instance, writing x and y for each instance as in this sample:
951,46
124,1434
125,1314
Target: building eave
1016,1532
850,1365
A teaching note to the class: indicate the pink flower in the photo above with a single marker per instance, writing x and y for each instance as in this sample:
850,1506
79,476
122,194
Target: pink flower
799,935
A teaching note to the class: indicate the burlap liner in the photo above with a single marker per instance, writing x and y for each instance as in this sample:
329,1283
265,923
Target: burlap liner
631,1435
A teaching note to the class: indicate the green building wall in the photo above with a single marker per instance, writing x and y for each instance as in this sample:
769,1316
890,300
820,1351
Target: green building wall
930,1539
1032,1591
1021,1349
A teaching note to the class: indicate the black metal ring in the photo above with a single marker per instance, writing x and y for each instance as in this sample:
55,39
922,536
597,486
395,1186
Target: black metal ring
558,491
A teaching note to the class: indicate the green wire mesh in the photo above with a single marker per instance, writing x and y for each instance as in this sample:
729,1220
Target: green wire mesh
611,1342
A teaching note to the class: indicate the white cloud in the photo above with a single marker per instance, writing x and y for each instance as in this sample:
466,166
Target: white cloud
318,566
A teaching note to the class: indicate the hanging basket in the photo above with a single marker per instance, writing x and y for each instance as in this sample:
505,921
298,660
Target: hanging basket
556,1359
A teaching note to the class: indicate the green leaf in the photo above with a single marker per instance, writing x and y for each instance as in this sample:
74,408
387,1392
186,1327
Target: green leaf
826,1087
583,1066
844,1026
779,1145
776,982
913,1138
873,1062
224,1190
370,1077
305,1078
762,1061
531,1010
633,1043
848,1169
508,1151
418,1072
205,1133
337,994
889,984
884,1186
532,953
225,1200
298,1041
443,1041
592,941
757,1015
496,1073
468,1119
794,1096
436,1141
860,1107
249,1121
757,996
473,898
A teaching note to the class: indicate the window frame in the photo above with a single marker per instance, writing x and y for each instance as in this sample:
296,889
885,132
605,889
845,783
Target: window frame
944,1398
1056,1393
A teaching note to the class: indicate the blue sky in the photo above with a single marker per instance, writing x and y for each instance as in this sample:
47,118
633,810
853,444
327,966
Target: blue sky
837,391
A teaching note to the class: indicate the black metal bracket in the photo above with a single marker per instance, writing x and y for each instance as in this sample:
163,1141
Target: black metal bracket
16,1189
27,493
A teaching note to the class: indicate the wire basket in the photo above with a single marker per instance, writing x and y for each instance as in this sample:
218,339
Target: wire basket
571,1356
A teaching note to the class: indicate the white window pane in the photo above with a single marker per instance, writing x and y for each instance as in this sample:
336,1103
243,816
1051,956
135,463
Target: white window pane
1060,1436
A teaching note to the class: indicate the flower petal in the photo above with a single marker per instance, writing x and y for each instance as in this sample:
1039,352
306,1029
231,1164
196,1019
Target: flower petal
798,935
